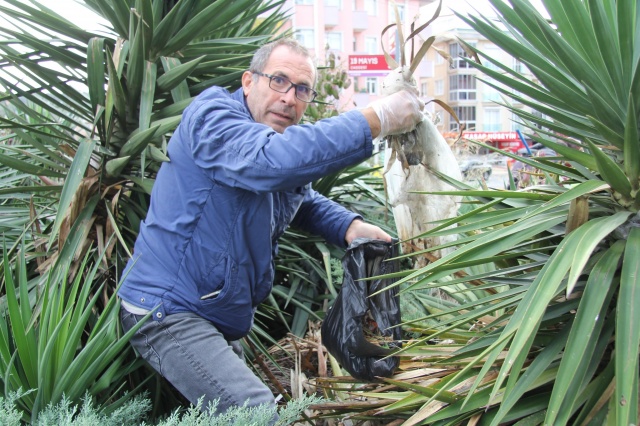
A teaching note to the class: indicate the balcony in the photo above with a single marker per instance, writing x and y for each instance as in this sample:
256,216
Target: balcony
360,20
331,15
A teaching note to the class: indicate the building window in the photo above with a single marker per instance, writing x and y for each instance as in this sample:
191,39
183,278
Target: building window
439,59
494,53
517,94
457,56
333,3
371,45
490,93
462,87
519,67
392,12
423,89
304,1
491,120
438,88
306,38
516,123
371,6
372,85
334,41
467,117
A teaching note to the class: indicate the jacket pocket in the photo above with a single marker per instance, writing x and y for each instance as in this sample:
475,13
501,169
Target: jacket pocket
220,282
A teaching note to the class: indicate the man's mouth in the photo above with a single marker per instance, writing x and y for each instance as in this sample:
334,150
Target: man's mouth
282,115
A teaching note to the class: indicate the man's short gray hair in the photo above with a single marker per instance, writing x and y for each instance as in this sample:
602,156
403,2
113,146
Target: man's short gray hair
261,57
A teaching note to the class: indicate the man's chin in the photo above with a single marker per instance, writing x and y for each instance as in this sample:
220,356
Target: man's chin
279,126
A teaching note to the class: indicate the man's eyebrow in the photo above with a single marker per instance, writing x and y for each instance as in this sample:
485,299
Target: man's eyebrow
282,74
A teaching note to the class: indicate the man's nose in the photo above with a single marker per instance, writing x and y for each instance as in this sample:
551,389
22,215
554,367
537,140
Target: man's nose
289,97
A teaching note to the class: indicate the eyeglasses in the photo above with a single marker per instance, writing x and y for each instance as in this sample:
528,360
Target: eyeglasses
283,85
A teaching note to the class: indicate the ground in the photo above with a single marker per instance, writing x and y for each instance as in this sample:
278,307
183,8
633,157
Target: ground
305,366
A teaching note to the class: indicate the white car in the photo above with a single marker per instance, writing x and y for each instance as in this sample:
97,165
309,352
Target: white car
473,168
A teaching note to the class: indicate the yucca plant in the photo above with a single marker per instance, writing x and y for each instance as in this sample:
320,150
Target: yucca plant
65,345
539,321
90,113
85,118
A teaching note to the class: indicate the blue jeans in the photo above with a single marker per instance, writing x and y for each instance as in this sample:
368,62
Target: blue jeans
195,358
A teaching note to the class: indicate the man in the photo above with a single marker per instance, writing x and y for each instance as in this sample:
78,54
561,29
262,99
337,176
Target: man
239,175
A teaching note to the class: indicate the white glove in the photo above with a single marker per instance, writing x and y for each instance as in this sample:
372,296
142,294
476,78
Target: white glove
398,113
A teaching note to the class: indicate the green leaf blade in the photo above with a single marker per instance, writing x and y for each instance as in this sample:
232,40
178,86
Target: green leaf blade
628,333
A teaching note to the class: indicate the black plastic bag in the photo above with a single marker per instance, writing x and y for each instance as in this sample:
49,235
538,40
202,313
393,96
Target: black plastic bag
354,312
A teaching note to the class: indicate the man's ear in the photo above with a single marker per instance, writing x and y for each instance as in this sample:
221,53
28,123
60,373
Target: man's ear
247,82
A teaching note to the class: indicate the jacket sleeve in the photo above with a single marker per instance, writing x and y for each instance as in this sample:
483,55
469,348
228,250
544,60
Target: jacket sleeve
319,215
227,144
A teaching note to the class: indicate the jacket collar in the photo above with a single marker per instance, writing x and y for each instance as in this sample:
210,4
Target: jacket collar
238,95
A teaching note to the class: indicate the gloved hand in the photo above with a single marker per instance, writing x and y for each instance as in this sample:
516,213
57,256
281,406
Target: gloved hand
398,113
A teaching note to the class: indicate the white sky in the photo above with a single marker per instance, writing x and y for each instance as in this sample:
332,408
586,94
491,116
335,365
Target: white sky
468,6
85,18
76,13
471,7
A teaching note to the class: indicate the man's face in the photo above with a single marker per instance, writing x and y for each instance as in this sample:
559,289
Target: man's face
278,110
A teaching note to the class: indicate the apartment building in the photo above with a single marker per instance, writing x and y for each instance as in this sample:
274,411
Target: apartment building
470,93
352,29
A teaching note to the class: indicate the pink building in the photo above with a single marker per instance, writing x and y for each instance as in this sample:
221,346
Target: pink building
353,28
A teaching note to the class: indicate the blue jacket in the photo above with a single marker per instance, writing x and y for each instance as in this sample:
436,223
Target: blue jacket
218,207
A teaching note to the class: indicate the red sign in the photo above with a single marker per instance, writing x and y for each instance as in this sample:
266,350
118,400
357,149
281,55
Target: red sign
486,136
506,141
512,146
368,63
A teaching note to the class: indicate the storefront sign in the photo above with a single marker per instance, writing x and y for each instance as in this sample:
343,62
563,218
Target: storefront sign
368,65
506,141
486,136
